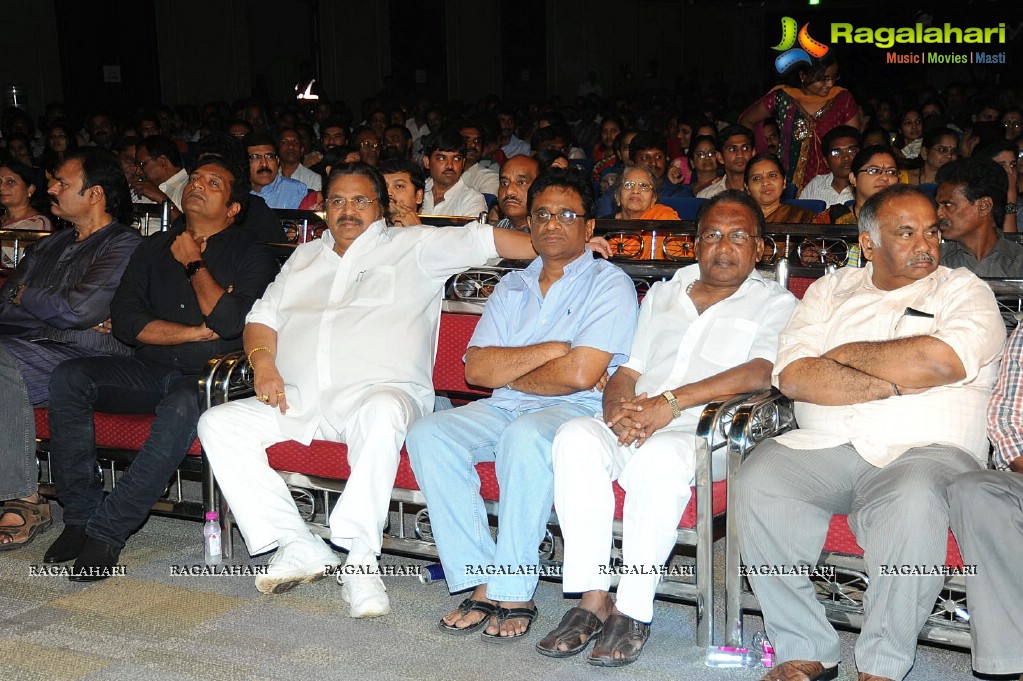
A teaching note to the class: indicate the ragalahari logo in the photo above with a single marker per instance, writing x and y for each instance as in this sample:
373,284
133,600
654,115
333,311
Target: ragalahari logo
808,49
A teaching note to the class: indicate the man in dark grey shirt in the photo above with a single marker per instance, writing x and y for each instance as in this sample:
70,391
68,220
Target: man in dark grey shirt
55,307
971,200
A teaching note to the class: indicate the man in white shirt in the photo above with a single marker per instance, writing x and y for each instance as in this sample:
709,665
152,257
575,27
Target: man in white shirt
736,144
291,152
891,367
511,145
354,287
446,193
477,176
840,147
163,177
711,330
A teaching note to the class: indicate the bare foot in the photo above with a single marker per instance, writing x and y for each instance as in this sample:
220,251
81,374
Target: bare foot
455,618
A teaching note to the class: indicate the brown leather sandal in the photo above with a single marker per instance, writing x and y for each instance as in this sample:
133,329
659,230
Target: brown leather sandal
621,634
576,624
35,518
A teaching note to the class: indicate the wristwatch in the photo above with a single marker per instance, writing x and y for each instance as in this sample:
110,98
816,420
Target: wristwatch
673,403
1010,208
193,267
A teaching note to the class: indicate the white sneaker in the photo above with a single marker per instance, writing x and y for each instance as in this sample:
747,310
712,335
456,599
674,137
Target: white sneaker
364,591
296,562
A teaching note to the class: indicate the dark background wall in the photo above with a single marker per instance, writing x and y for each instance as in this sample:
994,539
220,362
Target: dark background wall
178,51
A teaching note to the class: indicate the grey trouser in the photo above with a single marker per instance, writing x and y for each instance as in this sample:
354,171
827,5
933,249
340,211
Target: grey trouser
899,515
987,518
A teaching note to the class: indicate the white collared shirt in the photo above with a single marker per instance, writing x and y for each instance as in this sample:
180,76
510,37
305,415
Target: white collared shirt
821,189
309,178
846,307
174,187
482,179
459,200
674,345
370,318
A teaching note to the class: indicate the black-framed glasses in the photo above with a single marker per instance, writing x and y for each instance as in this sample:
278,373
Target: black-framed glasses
360,202
874,170
269,156
566,217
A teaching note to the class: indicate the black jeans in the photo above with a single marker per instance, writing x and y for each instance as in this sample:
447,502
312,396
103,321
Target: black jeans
122,385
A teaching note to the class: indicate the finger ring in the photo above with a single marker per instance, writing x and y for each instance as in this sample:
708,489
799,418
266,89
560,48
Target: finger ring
264,398
280,393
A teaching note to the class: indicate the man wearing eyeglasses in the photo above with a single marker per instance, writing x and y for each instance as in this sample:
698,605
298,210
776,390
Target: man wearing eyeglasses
342,347
840,146
711,330
736,144
547,340
162,178
367,143
971,201
268,182
890,367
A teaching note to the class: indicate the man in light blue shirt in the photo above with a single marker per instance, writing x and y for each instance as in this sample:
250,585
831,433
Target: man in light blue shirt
549,337
265,174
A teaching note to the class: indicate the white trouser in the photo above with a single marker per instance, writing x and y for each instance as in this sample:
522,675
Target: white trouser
236,436
656,478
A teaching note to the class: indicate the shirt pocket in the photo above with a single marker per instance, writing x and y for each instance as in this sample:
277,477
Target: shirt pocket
913,325
373,287
728,341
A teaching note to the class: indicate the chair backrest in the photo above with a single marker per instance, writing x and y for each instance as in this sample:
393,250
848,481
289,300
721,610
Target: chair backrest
813,205
448,370
686,206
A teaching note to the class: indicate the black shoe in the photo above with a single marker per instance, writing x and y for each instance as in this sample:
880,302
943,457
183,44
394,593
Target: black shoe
67,546
97,560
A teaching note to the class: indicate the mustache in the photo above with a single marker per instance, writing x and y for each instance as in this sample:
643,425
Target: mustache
263,169
944,224
923,257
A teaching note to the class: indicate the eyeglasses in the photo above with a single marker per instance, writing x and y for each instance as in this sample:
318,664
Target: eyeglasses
849,151
641,186
566,217
269,156
739,236
705,154
943,149
360,202
369,144
874,170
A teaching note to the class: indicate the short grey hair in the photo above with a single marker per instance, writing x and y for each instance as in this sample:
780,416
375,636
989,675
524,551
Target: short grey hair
654,182
868,219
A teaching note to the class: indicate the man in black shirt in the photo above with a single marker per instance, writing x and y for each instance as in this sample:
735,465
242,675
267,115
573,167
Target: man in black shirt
183,299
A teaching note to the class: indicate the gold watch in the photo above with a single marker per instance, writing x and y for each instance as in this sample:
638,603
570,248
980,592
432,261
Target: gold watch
673,403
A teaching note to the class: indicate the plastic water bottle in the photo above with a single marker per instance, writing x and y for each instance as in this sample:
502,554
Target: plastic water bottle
725,657
211,538
763,644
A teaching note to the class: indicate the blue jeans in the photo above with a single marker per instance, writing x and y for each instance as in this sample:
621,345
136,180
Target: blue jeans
122,385
444,449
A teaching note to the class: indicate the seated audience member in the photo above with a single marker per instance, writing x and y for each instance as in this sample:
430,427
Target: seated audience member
397,143
22,203
377,387
875,136
890,407
1012,119
511,145
333,133
163,175
549,159
772,135
291,152
637,195
872,170
735,144
938,147
446,193
971,198
478,174
610,128
703,159
986,513
19,147
182,300
517,176
840,145
1006,155
102,129
543,374
555,135
366,141
239,129
60,292
606,172
765,182
681,358
910,135
649,151
405,189
264,174
680,170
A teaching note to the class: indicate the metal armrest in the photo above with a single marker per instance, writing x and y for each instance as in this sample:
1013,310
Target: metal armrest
228,377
